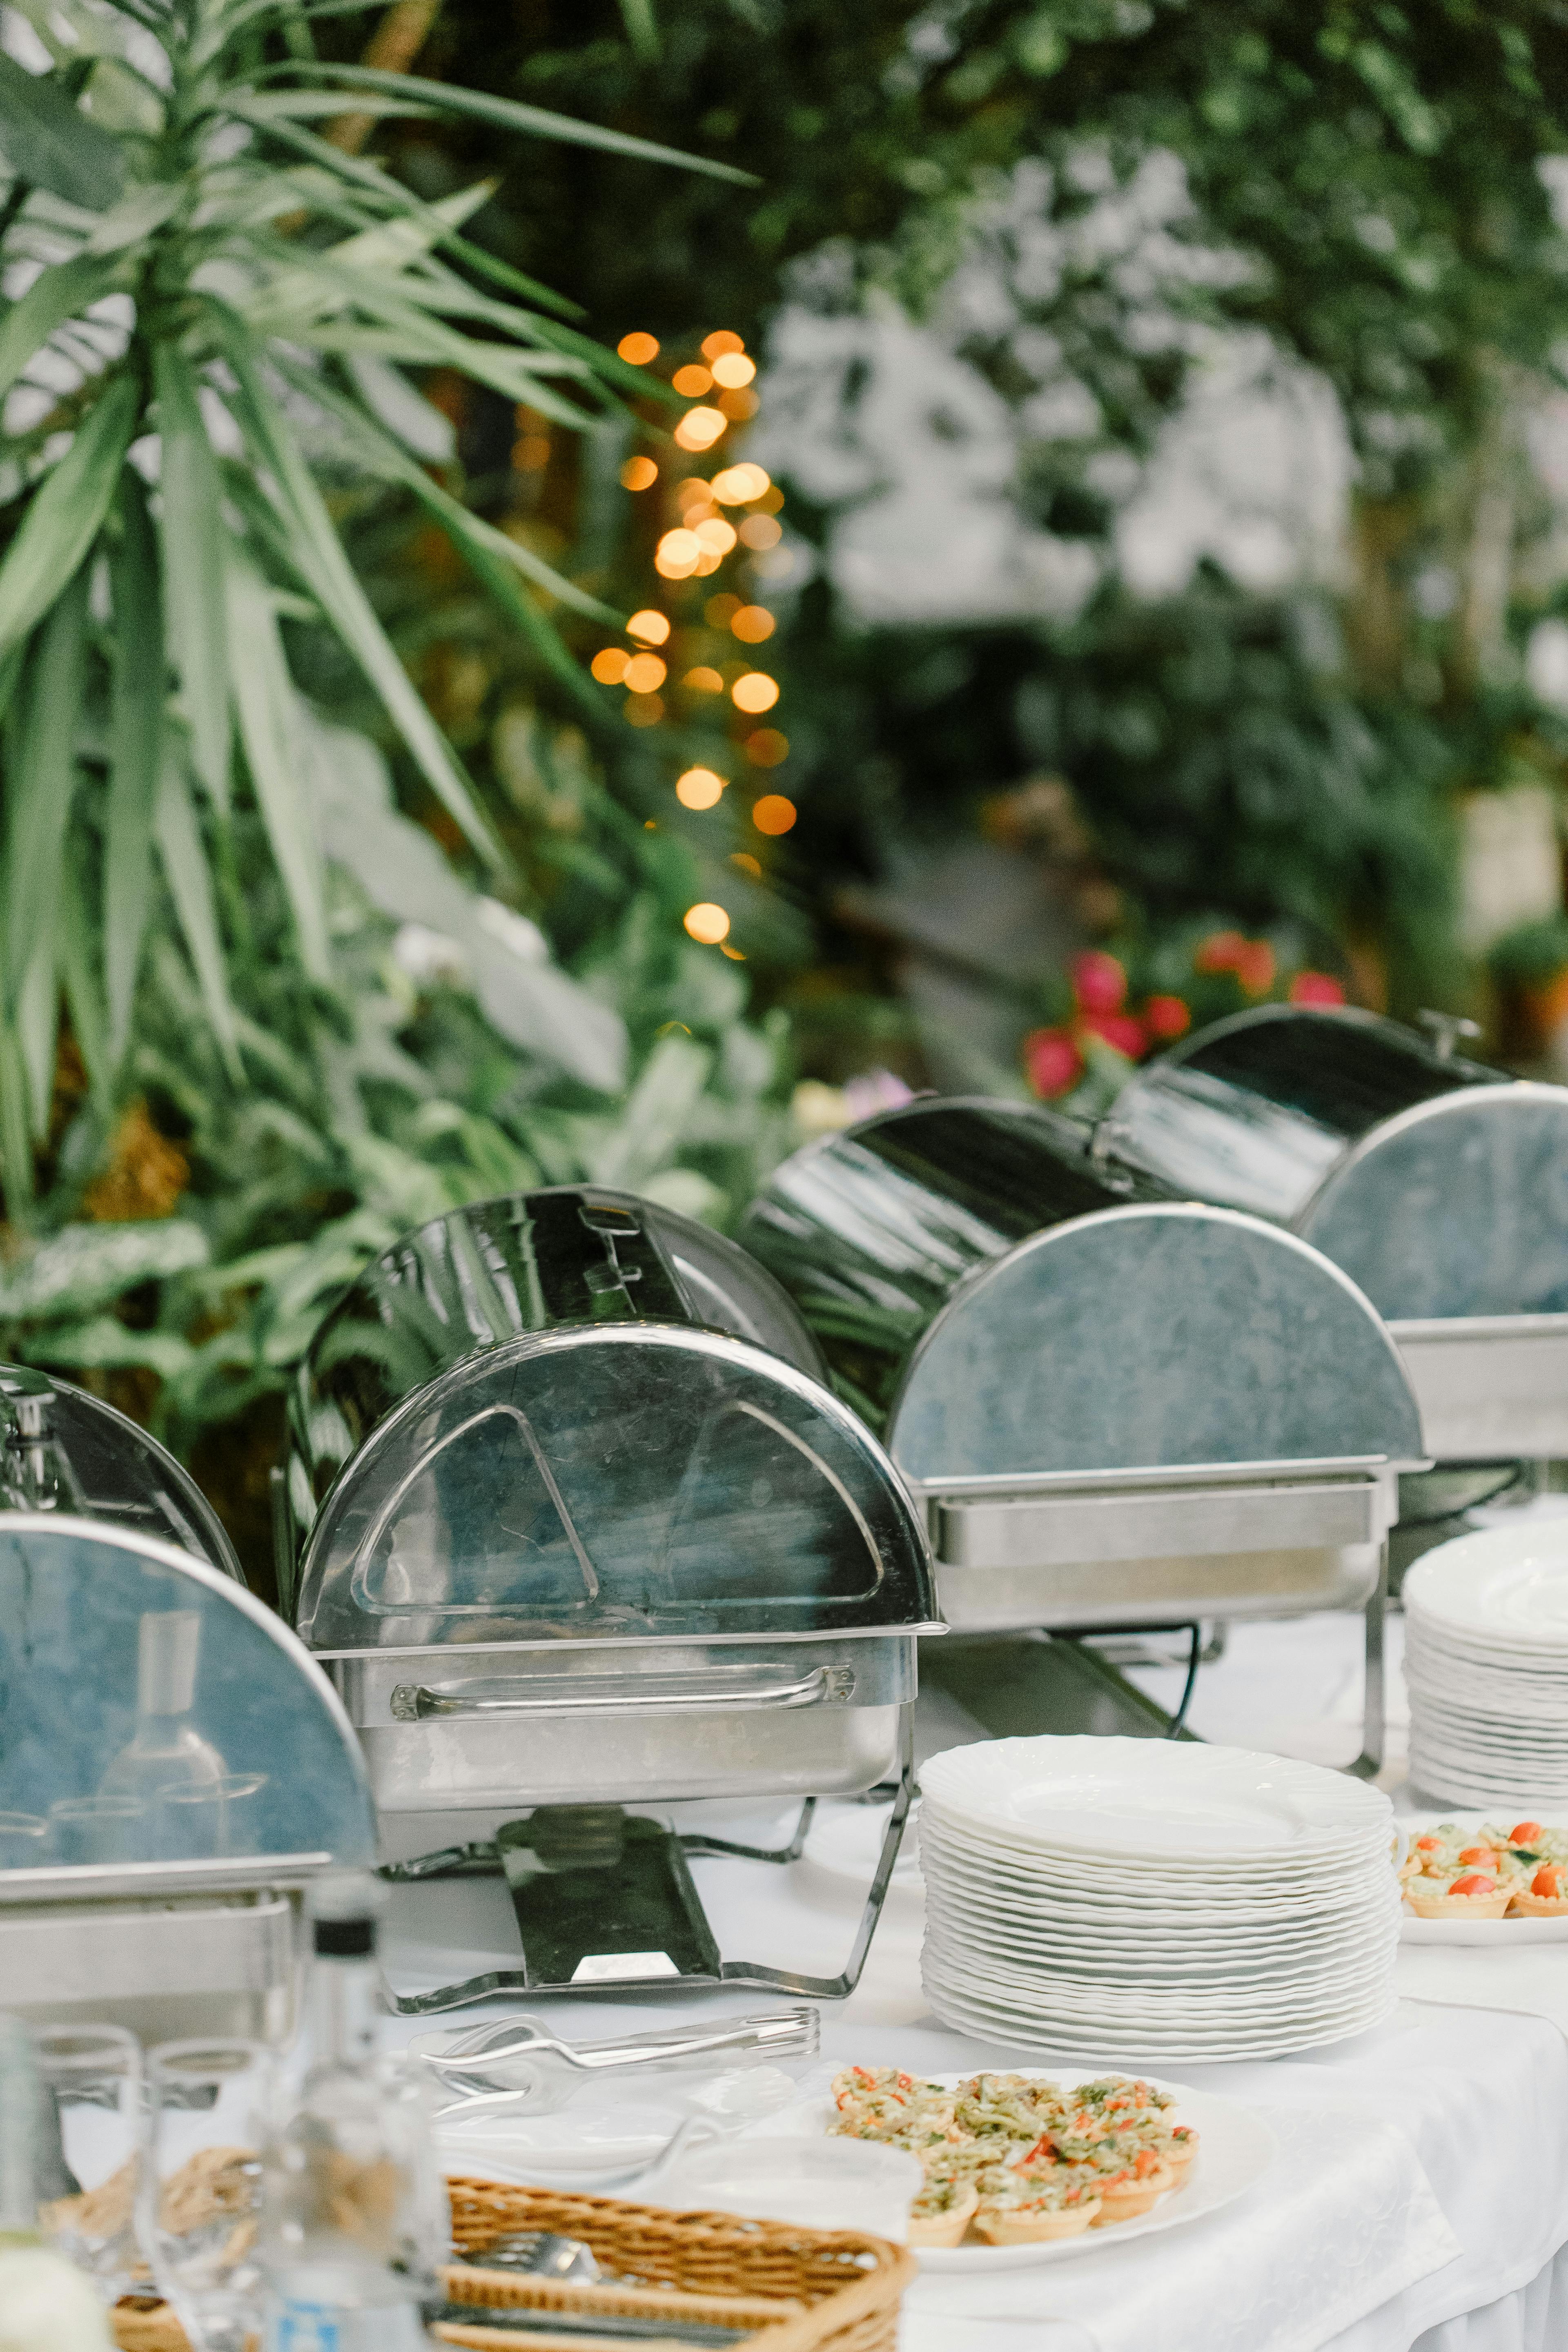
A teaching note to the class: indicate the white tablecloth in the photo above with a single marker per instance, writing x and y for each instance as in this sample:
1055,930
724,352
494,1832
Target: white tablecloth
1421,2176
1421,2194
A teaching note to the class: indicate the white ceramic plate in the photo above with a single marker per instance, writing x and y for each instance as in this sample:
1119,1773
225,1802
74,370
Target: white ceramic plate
1136,1891
1505,1589
1235,2149
1100,2049
1093,1796
846,1840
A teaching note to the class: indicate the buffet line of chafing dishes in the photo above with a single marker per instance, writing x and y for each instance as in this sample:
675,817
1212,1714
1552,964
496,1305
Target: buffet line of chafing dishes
587,1511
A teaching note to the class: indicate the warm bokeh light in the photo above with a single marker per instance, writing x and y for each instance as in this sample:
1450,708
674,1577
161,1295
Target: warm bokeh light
773,814
760,531
715,533
772,499
737,405
734,954
722,339
692,492
732,369
720,610
747,863
700,427
531,455
698,788
677,554
741,486
752,624
643,709
645,674
691,383
764,747
651,626
703,680
755,692
708,561
637,350
707,923
638,474
610,666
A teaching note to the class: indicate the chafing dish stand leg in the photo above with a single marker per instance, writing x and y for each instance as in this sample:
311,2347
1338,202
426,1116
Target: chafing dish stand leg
1369,1763
499,1982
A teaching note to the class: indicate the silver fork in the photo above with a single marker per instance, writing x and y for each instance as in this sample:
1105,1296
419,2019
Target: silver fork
466,2063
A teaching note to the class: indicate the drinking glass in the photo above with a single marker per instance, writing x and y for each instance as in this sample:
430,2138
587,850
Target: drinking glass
91,2079
99,1829
24,1842
203,1820
210,2104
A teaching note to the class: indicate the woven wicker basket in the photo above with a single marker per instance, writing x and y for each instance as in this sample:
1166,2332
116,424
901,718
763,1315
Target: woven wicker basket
800,2290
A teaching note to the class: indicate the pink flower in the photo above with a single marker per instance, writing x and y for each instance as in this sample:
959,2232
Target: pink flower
1052,1063
1099,981
1316,988
1167,1017
1119,1029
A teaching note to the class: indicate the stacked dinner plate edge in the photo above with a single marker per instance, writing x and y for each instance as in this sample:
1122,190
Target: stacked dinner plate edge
1094,1898
1487,1668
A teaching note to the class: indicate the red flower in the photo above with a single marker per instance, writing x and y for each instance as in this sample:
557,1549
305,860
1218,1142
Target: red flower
1219,951
1099,981
1052,1063
1119,1029
1256,966
1316,988
1167,1017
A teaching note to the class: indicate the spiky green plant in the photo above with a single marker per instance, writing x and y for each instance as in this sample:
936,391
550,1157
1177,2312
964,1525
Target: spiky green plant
204,294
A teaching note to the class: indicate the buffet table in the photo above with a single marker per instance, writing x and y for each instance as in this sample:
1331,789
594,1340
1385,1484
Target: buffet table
1419,2196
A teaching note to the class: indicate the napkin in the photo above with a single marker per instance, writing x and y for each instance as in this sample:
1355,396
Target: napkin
1344,2220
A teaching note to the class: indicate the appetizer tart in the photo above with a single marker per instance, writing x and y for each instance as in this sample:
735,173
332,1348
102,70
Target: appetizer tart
1453,1873
943,2210
1021,2209
1546,1896
1136,2188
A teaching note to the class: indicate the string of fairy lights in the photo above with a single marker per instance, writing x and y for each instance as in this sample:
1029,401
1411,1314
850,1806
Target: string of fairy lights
734,510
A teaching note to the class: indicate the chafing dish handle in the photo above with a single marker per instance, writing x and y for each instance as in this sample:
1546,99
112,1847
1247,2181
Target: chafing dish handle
413,1703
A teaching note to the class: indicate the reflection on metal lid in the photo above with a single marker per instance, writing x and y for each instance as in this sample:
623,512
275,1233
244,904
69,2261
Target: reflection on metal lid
1440,1186
541,1446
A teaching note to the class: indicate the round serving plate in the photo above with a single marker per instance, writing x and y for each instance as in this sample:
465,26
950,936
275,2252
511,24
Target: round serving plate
1216,1968
1236,2148
1131,2006
1504,1590
1154,1802
1186,1905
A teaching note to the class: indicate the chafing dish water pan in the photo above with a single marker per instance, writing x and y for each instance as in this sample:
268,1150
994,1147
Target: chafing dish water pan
563,1544
1119,1407
1439,1185
172,1765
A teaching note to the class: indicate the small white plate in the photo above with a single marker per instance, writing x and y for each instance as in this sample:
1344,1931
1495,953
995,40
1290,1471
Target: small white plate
1236,2148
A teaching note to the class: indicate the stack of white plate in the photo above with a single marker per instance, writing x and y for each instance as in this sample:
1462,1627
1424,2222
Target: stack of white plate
1486,1659
1153,1899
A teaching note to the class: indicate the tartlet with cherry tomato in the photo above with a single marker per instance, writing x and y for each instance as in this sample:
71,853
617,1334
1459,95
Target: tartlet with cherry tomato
1488,1873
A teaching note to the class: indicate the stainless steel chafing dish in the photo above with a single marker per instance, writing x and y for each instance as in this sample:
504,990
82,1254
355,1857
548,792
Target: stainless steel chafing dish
63,1450
563,1544
1440,1186
173,1768
1117,1407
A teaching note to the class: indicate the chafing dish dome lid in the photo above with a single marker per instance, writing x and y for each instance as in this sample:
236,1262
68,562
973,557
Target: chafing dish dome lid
136,1674
1440,1186
61,1449
552,1451
1004,1304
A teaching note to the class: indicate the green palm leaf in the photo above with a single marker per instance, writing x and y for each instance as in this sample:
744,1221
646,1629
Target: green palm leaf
135,750
65,513
191,527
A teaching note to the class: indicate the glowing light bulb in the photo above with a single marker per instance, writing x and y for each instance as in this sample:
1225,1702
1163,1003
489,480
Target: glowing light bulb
722,339
692,382
651,626
645,674
756,692
700,427
677,554
698,788
741,486
707,923
760,531
638,474
752,624
637,349
732,369
717,535
610,666
773,814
